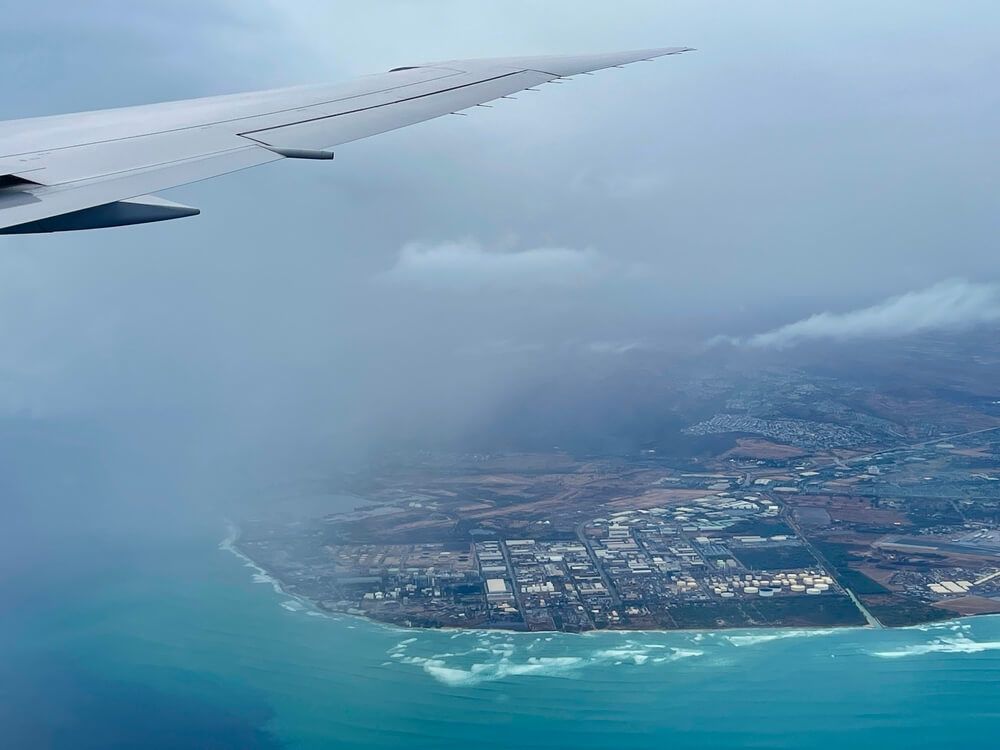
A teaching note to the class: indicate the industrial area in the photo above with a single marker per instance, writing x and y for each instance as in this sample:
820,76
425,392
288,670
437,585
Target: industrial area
814,505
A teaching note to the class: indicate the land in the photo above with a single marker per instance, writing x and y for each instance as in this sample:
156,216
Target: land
821,498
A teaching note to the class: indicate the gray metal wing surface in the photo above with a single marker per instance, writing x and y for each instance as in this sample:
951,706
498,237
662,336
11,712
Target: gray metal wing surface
99,169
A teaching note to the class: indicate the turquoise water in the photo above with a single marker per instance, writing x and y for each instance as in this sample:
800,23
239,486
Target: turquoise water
177,645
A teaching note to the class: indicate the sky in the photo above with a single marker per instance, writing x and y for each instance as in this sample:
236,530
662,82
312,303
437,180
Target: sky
810,169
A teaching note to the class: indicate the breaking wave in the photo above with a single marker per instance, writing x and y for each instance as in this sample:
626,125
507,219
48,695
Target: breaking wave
492,659
777,635
259,574
553,666
960,644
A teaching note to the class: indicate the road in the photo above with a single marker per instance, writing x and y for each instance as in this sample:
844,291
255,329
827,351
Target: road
790,520
612,592
513,581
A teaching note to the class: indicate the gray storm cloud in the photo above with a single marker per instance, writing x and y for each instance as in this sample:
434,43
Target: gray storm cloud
948,306
467,264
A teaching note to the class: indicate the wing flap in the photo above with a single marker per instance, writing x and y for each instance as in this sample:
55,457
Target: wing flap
34,204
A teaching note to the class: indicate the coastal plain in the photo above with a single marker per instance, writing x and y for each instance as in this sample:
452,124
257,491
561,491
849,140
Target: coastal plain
783,497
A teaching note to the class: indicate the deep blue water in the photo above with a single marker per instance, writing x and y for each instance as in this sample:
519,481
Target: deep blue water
174,644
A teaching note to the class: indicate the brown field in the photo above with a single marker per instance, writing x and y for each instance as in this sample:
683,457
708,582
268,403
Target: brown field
470,507
850,509
763,449
971,605
954,417
844,483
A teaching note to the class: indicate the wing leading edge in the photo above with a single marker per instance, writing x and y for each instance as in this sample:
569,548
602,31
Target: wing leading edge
98,169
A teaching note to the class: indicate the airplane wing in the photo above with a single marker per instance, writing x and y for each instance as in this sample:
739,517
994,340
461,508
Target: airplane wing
99,169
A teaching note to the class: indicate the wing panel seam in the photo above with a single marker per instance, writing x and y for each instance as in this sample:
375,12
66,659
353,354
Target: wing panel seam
247,133
95,179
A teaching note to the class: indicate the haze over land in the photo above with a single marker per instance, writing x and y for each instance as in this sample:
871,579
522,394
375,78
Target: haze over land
804,160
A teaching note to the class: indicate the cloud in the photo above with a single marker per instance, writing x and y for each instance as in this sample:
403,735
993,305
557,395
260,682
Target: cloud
618,348
625,186
467,265
948,306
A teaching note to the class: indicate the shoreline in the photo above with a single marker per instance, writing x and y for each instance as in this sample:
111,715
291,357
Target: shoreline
261,575
228,544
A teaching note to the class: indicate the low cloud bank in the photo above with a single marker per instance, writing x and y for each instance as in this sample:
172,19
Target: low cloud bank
467,265
948,306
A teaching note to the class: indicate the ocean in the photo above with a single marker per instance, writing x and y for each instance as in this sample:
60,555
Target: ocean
180,644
